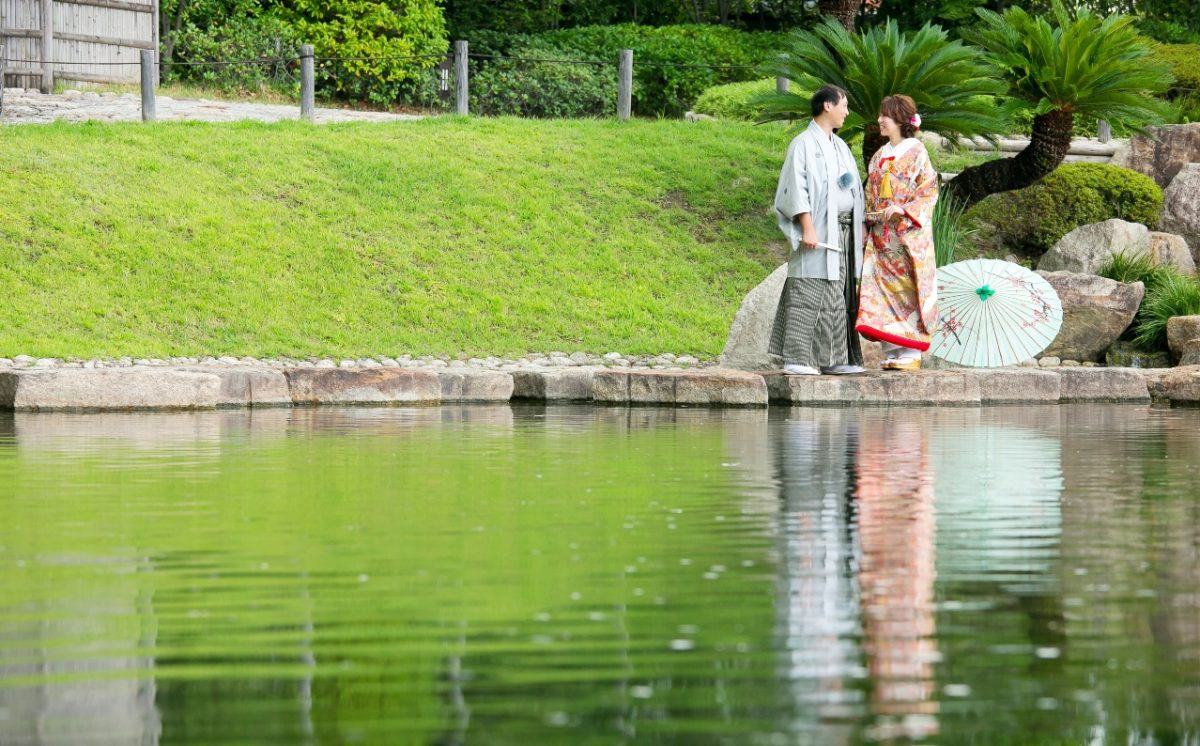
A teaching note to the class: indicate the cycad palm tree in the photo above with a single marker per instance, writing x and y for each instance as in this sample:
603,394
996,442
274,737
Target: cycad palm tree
952,87
1084,64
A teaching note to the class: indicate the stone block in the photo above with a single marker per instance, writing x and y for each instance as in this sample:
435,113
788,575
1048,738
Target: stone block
1179,385
652,387
611,387
249,387
947,388
569,384
1017,386
1086,248
475,385
107,389
1102,384
1180,331
1191,353
363,386
720,387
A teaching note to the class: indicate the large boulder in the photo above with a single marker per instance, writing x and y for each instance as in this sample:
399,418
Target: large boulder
1161,152
1095,312
1170,250
750,333
1180,331
1181,206
1087,247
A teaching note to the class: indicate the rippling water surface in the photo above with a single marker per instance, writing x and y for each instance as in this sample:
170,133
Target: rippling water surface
537,575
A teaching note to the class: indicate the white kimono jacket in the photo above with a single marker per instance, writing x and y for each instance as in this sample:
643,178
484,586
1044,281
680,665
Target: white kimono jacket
807,184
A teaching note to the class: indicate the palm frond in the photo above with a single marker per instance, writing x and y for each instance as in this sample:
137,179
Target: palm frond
949,82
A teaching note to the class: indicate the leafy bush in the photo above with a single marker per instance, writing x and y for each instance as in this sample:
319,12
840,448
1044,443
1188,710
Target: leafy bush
1184,61
240,37
672,65
543,89
733,100
1177,295
375,41
1031,220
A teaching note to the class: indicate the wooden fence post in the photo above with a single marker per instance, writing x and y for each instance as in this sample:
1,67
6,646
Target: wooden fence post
1103,130
624,84
2,61
148,112
47,46
462,82
782,85
308,106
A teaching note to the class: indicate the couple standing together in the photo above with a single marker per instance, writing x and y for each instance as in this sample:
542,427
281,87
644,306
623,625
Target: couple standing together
840,285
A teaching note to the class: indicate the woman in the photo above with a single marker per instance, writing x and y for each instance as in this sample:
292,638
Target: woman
898,296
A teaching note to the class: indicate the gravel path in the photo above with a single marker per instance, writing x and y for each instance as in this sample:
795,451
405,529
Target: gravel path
22,106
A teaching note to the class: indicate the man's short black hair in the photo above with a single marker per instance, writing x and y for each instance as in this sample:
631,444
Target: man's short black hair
826,94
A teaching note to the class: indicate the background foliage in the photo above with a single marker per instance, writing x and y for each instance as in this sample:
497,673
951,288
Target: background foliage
1029,221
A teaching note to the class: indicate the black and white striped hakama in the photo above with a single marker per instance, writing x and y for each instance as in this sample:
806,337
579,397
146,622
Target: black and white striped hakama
814,322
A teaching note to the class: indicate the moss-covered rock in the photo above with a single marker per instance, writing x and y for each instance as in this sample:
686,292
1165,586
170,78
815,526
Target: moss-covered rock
1029,221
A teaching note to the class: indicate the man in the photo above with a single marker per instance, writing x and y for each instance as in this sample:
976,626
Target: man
819,205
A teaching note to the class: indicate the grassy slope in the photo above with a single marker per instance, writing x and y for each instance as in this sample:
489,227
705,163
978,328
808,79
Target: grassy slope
442,236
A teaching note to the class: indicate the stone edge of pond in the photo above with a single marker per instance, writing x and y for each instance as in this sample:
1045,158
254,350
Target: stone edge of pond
212,387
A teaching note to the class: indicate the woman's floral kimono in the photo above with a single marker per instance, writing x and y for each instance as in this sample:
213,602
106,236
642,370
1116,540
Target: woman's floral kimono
898,295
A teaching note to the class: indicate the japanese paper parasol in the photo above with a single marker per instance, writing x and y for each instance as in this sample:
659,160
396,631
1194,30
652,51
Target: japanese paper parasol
993,313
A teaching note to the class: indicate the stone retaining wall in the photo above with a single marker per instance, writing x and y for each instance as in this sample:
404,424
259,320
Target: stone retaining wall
211,387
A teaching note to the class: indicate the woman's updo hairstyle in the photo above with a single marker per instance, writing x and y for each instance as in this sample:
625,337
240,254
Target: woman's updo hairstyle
903,111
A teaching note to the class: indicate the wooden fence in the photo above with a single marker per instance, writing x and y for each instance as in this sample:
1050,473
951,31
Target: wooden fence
89,41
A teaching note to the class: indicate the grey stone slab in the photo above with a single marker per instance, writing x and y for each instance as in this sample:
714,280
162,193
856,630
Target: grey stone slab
568,384
250,387
720,387
611,386
363,386
107,389
1178,385
1018,386
652,387
947,388
1102,384
475,385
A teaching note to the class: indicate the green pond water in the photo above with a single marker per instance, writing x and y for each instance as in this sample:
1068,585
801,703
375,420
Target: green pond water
547,575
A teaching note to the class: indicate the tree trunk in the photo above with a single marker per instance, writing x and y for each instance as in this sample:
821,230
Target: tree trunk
872,142
168,39
842,11
1049,142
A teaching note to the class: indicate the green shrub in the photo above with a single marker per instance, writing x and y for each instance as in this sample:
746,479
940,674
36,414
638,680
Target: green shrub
374,41
240,37
1177,295
543,89
673,65
1184,61
733,100
1029,221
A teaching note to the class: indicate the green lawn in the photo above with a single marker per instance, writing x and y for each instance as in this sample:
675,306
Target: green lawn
445,236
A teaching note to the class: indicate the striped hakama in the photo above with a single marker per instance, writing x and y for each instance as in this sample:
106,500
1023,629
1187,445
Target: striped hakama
814,322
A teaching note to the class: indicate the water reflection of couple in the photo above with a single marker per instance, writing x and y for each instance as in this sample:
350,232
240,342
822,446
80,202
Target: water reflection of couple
859,527
820,207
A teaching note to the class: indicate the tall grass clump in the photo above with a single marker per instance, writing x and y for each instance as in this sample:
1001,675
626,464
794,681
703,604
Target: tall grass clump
950,230
1126,267
1176,295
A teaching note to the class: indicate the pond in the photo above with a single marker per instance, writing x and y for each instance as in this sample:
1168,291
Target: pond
580,575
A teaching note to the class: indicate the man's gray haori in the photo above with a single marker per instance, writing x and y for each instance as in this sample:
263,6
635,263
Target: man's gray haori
814,322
